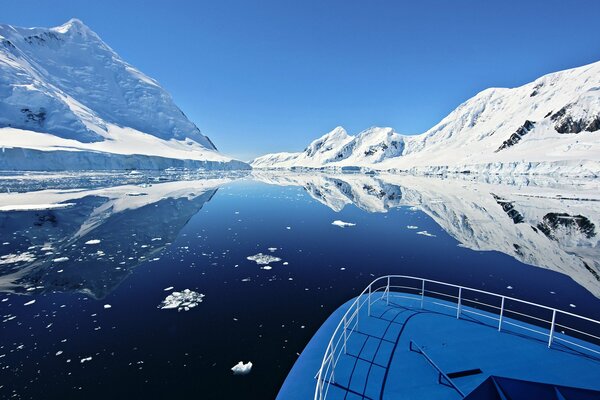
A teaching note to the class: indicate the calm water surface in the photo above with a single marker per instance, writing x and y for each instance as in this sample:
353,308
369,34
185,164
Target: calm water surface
98,268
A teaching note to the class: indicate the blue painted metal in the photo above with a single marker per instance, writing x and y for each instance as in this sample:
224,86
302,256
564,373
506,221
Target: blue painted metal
378,363
442,377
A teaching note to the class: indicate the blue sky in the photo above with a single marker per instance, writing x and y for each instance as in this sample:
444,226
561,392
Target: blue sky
265,76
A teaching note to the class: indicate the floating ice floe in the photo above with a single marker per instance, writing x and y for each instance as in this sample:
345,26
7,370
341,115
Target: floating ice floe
61,259
342,224
15,258
241,368
182,301
272,249
425,233
93,241
412,227
263,259
168,288
35,207
29,303
85,359
107,306
267,267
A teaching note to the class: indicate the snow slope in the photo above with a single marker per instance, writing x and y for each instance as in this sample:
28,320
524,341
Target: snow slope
64,92
549,126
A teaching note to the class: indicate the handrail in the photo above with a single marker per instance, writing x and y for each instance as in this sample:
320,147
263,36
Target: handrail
441,373
350,319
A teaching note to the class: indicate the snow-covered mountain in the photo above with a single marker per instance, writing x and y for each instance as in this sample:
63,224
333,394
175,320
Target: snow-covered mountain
549,126
68,101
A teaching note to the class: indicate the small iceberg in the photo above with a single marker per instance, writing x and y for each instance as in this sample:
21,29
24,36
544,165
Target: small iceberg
241,368
182,301
342,224
425,233
263,259
93,241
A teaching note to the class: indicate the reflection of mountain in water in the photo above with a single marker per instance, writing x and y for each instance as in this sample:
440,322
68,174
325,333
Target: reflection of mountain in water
542,226
133,225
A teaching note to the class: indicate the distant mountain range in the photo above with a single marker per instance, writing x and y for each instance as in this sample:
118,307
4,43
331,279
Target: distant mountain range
549,126
68,101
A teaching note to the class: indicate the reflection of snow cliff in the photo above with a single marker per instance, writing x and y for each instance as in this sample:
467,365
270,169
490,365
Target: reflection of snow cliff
542,226
133,224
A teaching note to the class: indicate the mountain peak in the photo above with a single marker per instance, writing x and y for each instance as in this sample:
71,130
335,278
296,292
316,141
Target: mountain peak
73,25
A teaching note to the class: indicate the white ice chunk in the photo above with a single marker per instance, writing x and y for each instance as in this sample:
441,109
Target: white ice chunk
342,224
184,300
93,241
263,259
241,368
425,233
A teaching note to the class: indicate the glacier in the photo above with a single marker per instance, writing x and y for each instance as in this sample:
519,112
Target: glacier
68,101
546,127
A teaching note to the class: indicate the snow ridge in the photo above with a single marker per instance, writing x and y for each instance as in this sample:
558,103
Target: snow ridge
549,126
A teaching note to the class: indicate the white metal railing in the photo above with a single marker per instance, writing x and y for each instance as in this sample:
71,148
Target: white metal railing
338,343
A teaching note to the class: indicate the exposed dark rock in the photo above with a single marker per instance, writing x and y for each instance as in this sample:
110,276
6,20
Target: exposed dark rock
31,116
7,44
553,221
509,209
42,38
516,137
536,89
565,123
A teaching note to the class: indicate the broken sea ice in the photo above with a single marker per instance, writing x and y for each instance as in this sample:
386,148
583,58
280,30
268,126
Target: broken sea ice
182,301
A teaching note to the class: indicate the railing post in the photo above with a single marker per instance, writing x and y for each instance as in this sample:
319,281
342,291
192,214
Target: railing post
458,306
369,302
501,315
422,293
387,301
551,337
345,334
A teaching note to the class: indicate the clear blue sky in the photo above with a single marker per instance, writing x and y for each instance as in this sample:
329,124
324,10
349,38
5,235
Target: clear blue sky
265,76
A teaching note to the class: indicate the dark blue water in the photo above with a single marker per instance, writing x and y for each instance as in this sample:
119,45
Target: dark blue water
201,242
